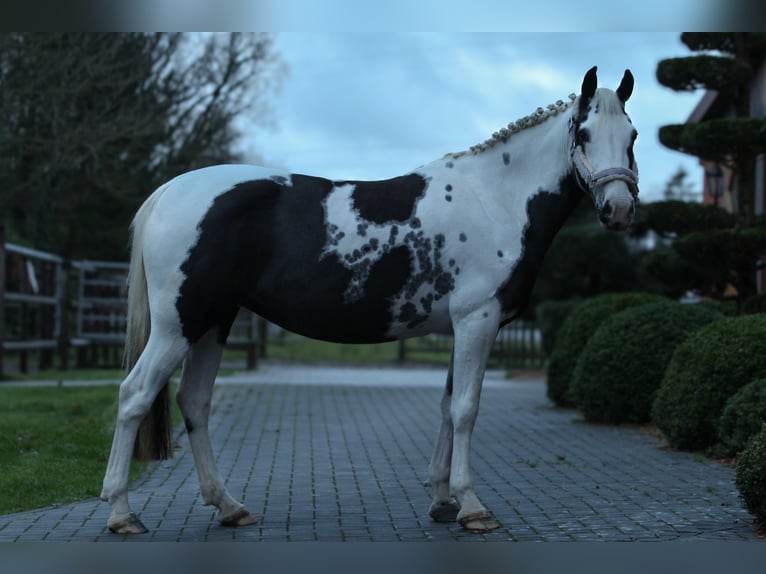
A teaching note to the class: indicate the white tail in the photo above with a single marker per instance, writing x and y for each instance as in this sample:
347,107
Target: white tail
154,439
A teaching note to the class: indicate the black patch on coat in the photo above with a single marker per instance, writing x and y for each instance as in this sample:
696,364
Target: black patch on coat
631,156
387,200
463,237
261,246
546,213
506,158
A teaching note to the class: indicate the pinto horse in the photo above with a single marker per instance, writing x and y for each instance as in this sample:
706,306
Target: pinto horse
452,247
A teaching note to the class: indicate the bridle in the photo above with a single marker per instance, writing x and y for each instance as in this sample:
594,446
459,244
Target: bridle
589,179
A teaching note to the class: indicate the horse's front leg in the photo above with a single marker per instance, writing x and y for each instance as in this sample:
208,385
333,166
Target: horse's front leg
444,507
475,334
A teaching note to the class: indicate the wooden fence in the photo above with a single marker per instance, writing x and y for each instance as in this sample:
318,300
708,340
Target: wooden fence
31,304
518,345
54,309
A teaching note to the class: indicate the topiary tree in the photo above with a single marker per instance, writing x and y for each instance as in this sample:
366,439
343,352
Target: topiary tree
732,138
734,141
579,325
751,476
704,371
673,221
724,257
621,368
742,417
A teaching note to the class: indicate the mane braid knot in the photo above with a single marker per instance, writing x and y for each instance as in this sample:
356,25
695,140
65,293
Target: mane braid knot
502,135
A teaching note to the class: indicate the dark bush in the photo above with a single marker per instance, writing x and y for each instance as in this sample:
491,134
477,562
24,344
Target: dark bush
755,304
621,367
751,476
742,417
550,317
726,307
704,371
581,323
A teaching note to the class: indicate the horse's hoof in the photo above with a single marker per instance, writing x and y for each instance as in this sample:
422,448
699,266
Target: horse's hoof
479,522
129,525
444,511
240,518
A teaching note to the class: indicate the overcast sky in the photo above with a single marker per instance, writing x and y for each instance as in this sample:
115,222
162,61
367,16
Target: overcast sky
377,105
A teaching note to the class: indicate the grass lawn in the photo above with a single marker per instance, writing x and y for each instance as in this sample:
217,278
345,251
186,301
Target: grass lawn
54,444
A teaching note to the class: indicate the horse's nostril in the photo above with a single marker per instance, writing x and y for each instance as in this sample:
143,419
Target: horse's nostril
605,213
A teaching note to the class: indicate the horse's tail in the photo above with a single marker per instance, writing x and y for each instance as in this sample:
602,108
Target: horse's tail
154,440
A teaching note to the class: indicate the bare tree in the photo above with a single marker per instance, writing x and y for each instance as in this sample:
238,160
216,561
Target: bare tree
93,122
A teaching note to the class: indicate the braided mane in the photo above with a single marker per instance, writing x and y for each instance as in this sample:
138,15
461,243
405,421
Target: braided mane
521,124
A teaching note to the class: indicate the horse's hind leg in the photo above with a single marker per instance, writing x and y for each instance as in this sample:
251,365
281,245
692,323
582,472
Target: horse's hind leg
194,397
161,357
444,508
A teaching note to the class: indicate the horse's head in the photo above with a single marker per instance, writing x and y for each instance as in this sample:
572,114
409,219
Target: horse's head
602,137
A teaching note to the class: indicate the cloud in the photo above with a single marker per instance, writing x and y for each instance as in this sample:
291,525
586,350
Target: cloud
369,106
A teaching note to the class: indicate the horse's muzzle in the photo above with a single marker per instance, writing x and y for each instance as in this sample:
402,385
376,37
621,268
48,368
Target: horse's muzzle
616,217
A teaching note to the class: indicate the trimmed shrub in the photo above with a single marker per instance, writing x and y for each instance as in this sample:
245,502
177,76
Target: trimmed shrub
579,325
743,415
550,317
728,308
704,371
751,476
755,304
621,367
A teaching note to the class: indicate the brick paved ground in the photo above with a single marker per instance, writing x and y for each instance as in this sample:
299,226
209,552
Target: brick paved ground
342,454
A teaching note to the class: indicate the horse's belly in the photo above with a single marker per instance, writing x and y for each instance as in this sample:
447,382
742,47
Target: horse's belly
322,301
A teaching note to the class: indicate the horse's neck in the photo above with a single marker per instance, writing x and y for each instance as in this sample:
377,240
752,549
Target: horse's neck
530,168
533,160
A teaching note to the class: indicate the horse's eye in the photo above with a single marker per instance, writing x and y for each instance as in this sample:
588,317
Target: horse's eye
582,136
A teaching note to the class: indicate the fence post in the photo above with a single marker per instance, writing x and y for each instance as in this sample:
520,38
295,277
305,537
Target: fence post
263,333
251,352
62,310
2,296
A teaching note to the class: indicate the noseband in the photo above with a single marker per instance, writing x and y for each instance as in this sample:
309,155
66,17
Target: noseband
590,179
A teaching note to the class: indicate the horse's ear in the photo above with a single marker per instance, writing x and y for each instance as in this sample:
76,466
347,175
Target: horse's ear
626,87
589,84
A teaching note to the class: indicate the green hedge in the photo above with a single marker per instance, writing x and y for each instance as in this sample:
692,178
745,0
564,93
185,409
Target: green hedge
751,476
579,325
705,370
755,304
621,367
742,417
550,317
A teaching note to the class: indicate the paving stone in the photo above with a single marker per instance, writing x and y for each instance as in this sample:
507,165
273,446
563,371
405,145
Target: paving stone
329,454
